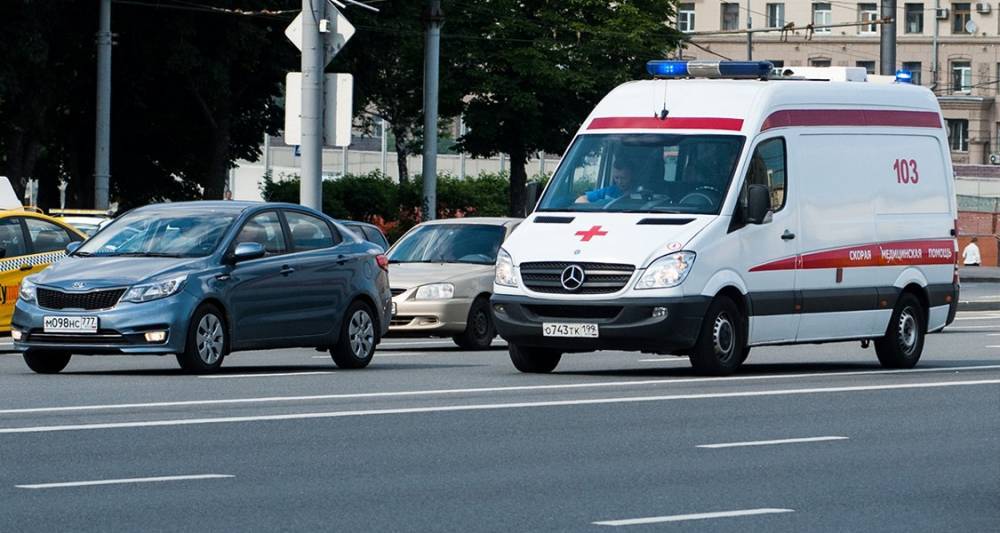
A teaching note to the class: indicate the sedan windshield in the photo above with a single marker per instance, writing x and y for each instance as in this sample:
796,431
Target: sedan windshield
449,243
160,234
644,173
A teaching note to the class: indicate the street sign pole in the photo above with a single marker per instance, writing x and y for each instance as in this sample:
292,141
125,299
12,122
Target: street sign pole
313,61
102,151
432,42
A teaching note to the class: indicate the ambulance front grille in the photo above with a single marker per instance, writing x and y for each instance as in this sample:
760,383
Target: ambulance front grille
599,278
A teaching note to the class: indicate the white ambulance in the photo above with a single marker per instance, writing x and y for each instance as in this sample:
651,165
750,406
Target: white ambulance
701,215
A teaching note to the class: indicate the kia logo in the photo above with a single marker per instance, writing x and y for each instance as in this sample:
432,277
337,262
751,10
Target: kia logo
572,277
78,285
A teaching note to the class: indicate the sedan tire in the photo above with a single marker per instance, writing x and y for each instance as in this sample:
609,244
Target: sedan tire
207,341
479,329
356,345
46,362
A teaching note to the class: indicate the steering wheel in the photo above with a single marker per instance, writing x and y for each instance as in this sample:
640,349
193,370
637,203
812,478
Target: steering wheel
700,195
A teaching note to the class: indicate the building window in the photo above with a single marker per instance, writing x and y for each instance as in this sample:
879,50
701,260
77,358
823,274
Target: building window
819,62
775,15
914,18
868,13
730,16
961,77
822,16
960,18
958,134
685,17
914,68
869,66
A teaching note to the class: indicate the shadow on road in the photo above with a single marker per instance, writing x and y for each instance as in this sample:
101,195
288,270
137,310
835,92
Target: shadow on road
776,369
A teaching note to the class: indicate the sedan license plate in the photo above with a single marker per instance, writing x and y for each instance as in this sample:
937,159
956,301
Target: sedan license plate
554,329
70,324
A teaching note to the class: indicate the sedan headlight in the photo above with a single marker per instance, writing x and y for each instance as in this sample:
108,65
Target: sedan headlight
27,291
435,291
667,271
505,273
155,290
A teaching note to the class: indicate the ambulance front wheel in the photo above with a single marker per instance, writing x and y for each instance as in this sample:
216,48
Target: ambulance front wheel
904,339
721,346
533,360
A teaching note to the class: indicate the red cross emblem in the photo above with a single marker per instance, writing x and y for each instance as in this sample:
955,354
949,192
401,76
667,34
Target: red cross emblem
594,231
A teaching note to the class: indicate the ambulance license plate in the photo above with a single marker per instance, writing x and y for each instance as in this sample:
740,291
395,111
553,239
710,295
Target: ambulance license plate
555,329
70,324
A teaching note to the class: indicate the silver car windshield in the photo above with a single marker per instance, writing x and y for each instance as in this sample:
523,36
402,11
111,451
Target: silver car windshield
644,173
160,234
449,243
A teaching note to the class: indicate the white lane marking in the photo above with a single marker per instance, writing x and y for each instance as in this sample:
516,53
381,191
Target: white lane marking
383,354
274,375
769,442
122,481
445,392
684,517
665,360
402,344
487,407
963,328
993,346
990,317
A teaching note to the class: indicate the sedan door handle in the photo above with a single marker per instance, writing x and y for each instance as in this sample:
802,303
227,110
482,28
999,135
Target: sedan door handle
787,235
286,270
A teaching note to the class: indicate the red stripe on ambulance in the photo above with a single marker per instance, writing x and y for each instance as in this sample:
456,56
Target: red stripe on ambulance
851,117
903,253
670,123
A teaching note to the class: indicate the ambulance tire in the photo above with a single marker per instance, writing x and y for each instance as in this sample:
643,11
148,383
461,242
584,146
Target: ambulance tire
745,355
533,360
721,344
358,338
46,362
207,342
479,328
904,339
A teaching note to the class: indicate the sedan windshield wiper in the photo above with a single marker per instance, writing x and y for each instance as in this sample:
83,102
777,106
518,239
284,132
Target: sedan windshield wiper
146,254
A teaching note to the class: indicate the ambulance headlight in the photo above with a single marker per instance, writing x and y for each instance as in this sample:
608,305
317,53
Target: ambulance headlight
435,291
505,273
667,271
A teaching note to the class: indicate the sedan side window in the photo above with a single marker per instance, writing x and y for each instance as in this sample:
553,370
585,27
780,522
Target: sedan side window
46,236
308,232
265,229
11,238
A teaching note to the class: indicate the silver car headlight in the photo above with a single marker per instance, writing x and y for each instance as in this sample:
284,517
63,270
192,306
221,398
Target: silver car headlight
667,271
28,291
505,273
155,290
435,291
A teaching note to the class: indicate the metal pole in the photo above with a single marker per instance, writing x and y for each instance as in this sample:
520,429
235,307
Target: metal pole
343,159
461,155
311,191
102,152
934,57
503,161
749,33
541,163
887,57
385,147
267,154
432,41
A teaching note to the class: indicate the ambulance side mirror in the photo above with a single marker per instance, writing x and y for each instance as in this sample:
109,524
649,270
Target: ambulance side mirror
758,204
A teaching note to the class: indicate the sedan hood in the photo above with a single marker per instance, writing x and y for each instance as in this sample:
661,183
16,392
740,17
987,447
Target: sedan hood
97,272
407,275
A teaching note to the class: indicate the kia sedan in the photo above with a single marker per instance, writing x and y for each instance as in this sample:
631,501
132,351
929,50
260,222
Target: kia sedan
202,280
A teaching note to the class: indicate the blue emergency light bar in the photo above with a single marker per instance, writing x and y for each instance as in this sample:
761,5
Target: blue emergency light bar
904,76
665,68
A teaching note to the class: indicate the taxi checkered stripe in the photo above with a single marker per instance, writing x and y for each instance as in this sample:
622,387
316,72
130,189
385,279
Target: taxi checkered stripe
15,263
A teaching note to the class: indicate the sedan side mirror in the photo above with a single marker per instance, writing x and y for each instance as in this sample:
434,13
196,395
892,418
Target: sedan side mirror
72,247
758,204
246,251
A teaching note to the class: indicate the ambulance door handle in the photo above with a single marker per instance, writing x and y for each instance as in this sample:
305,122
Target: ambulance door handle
787,235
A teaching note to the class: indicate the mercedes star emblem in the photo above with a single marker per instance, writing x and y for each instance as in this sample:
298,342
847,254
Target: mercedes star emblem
572,277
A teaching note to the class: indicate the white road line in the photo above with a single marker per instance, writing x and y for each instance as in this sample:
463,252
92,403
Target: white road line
445,392
962,328
487,407
122,481
994,346
383,354
685,517
768,442
990,317
274,375
665,360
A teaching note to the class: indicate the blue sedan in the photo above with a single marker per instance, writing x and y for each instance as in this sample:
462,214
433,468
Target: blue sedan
204,279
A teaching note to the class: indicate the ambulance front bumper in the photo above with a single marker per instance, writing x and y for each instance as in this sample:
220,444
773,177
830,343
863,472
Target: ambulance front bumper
666,325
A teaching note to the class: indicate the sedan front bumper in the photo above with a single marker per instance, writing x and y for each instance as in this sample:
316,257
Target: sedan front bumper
430,317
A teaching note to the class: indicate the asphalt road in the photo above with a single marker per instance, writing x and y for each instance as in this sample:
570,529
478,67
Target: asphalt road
430,438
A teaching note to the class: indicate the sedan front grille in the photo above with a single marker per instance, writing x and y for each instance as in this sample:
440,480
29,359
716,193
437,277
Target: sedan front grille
599,278
54,299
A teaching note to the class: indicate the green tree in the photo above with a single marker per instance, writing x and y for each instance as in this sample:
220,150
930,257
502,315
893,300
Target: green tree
540,66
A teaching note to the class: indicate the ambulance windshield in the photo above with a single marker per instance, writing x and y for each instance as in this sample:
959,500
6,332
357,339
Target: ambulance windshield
644,173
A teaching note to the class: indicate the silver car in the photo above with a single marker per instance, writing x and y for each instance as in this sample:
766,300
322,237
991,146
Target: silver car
441,277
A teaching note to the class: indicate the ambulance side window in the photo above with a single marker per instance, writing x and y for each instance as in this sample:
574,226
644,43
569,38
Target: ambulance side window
767,167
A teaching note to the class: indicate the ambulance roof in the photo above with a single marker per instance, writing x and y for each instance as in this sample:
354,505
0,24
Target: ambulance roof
743,106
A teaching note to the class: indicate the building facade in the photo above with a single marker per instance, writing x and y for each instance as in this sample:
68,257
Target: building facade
952,48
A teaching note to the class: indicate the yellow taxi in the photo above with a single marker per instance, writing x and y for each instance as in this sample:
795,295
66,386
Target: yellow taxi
29,242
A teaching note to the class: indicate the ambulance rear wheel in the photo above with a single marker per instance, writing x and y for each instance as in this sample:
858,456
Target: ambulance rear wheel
722,342
533,360
904,340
